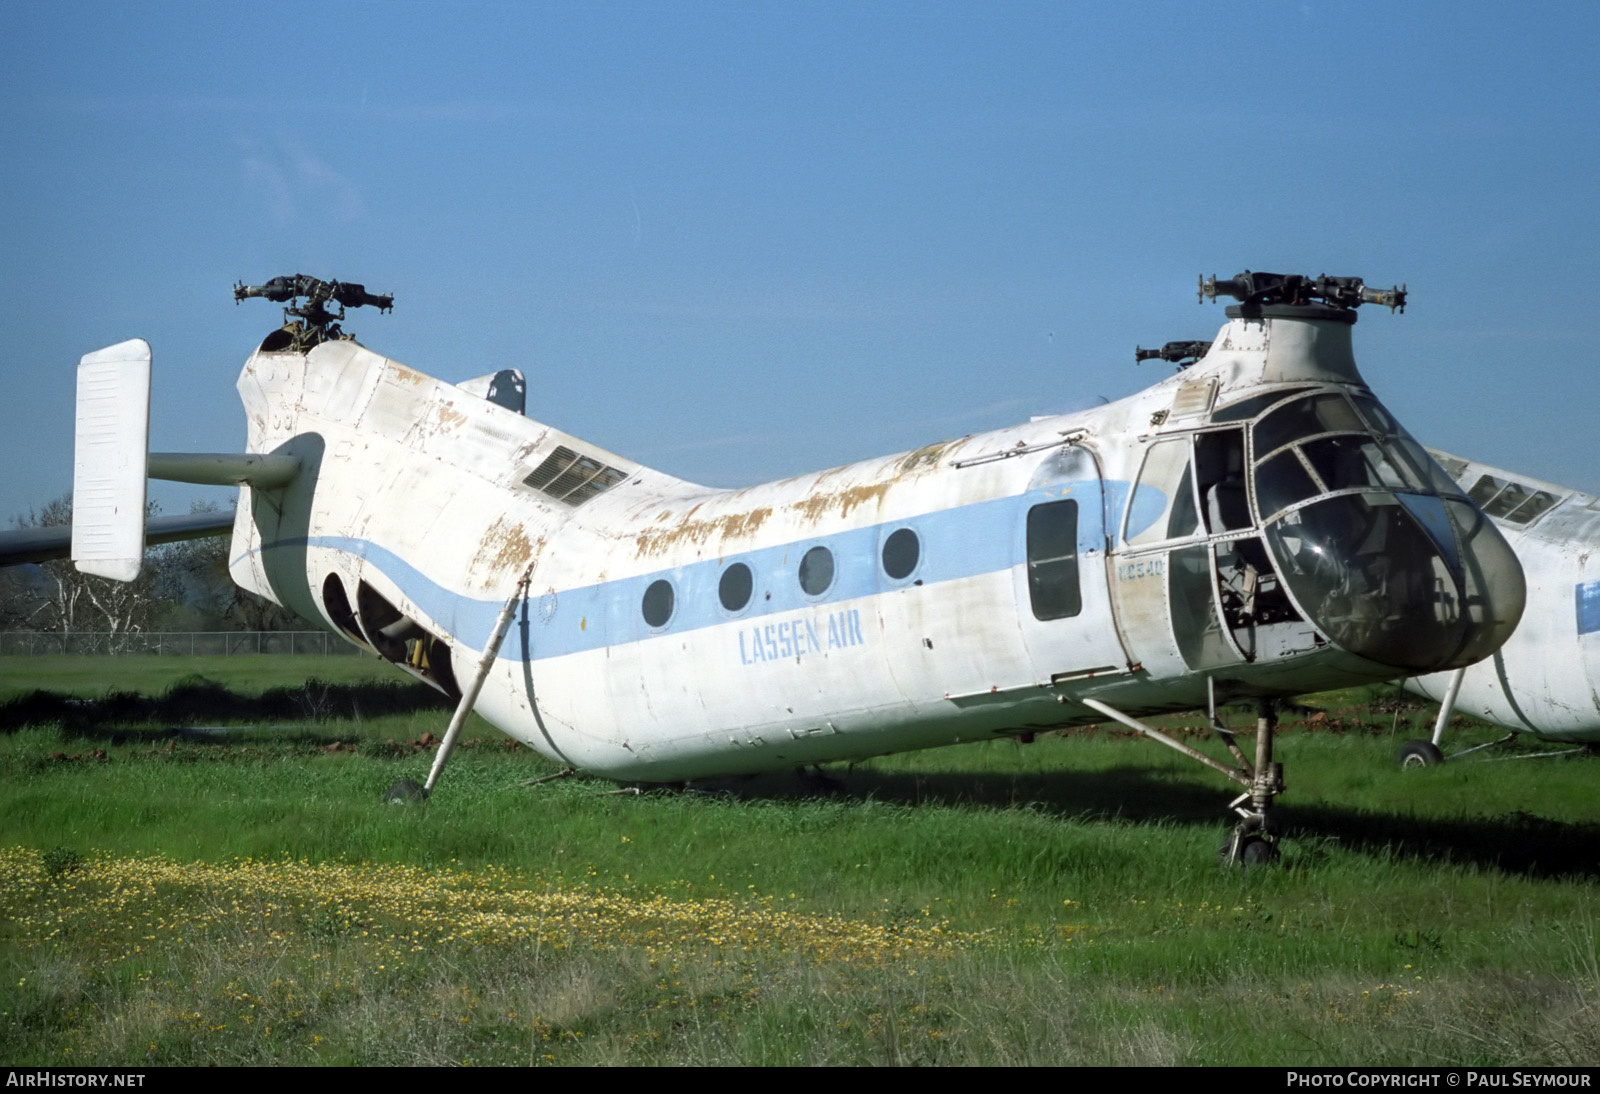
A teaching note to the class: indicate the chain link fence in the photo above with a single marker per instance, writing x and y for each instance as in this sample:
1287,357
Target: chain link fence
172,643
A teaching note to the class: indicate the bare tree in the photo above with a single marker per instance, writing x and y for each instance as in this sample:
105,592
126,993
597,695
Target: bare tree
194,584
68,601
183,586
22,596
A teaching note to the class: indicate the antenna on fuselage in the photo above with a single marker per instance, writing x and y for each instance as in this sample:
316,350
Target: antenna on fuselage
310,324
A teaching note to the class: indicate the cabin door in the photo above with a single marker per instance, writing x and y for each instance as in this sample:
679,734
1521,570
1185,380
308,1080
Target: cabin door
1063,603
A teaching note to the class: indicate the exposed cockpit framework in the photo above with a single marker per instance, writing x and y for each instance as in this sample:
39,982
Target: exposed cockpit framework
1544,680
1256,526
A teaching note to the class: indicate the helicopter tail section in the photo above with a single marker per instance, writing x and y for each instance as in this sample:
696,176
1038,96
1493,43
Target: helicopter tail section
112,464
109,478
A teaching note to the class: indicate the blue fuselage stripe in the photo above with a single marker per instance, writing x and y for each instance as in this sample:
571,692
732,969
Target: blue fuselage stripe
966,541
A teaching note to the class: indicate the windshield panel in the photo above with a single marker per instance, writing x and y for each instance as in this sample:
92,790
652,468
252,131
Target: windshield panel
1325,413
1377,417
1282,481
1371,577
1375,544
1351,462
1249,408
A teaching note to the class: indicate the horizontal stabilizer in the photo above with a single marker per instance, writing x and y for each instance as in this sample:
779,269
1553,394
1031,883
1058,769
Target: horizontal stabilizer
224,468
42,544
113,431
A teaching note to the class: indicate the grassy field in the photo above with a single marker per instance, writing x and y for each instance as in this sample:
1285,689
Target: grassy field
182,896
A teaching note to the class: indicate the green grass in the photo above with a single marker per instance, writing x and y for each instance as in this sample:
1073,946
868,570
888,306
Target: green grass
248,898
151,675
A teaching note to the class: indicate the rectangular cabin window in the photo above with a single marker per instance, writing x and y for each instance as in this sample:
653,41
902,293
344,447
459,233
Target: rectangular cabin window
1512,502
1053,560
572,478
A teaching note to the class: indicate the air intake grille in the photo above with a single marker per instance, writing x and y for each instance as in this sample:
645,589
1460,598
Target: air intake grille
572,478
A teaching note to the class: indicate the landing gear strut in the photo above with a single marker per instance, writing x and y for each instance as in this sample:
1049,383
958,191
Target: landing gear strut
1420,753
1254,840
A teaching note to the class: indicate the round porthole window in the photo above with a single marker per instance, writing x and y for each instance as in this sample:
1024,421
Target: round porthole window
735,587
901,553
657,606
816,571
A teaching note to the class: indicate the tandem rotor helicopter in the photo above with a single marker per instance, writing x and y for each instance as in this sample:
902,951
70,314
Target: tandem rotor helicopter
1255,526
1545,680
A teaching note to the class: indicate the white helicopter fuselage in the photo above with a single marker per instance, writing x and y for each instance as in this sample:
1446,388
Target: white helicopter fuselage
1545,679
1255,525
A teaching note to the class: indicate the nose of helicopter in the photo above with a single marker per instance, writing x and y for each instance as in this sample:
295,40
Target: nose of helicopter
1416,581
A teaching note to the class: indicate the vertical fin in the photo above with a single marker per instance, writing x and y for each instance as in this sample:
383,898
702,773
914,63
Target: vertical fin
109,459
505,388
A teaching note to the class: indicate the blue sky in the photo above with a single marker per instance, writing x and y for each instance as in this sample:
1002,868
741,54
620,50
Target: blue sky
738,241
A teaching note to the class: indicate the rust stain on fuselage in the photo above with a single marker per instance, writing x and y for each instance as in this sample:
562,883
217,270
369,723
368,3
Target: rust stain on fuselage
450,417
505,546
687,531
843,500
656,541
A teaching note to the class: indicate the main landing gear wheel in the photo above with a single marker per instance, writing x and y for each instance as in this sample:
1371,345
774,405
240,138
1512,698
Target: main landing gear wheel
1415,754
1258,852
404,792
1251,843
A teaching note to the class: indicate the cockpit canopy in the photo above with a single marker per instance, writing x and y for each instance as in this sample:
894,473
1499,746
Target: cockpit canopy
1316,505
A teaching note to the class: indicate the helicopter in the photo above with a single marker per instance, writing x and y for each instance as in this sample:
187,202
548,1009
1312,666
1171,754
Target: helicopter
1255,526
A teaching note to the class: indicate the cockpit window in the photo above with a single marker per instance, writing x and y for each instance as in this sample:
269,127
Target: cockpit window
1321,445
1162,506
1185,521
1281,481
1350,462
1325,413
1245,409
1386,566
1219,472
1403,450
1379,584
1377,417
1364,538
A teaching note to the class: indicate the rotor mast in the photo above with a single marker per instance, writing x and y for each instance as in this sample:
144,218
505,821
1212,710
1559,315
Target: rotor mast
311,323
